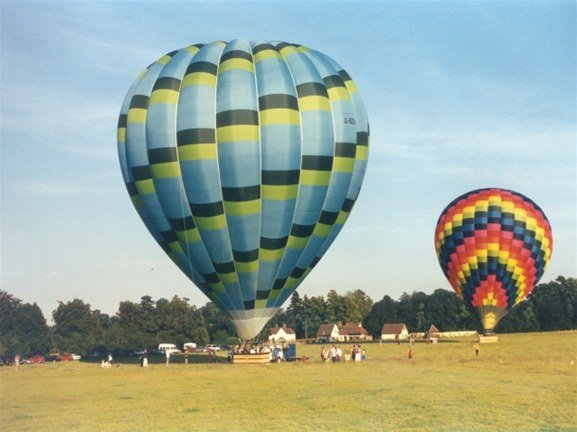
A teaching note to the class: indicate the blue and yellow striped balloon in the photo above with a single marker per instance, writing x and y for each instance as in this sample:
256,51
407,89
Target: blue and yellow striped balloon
244,160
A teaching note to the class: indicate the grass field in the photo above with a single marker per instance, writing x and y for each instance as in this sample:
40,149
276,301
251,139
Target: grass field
526,382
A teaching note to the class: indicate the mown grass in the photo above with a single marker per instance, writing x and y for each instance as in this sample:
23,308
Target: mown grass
525,382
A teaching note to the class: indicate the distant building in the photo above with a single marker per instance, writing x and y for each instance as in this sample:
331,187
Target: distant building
354,332
396,331
330,332
282,334
432,334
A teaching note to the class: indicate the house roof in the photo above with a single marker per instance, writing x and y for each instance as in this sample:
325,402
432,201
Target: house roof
325,329
284,327
352,329
396,328
433,329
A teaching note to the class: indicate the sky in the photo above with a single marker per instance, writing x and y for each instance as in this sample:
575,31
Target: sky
460,96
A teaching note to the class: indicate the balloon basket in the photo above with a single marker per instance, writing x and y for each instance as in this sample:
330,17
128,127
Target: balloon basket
251,358
488,338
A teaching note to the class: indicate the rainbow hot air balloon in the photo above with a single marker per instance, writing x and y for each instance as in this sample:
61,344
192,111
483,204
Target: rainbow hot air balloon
493,246
244,160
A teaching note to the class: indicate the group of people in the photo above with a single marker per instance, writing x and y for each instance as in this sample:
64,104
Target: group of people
106,362
335,354
328,354
250,348
275,351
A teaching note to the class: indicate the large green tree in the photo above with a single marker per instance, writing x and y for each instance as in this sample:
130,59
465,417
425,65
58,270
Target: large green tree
8,305
217,326
336,307
304,316
383,311
358,305
446,311
76,326
23,328
314,314
520,319
179,322
132,328
408,308
555,304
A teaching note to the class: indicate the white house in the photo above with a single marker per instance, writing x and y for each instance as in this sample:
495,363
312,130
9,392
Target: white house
328,333
282,334
354,332
396,331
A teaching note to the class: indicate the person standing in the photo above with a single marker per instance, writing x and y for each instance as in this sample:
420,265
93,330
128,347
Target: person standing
358,353
477,348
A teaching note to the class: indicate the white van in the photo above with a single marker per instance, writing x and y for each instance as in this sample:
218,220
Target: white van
167,347
189,346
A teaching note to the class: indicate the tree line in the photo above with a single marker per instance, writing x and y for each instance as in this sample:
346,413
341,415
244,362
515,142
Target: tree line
79,328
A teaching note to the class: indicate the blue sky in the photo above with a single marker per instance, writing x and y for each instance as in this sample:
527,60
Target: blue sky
460,95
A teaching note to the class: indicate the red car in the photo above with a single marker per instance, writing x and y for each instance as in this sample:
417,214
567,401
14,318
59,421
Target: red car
65,357
37,359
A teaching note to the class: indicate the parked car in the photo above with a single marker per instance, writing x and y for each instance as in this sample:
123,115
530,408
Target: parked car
65,357
95,354
5,361
212,347
189,347
168,347
37,359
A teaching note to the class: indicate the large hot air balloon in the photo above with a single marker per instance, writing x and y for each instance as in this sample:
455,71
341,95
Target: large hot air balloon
244,160
493,246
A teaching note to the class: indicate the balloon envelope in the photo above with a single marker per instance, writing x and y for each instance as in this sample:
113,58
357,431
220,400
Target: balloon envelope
493,246
244,160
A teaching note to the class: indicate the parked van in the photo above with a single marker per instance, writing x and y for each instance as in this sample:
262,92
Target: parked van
189,346
167,347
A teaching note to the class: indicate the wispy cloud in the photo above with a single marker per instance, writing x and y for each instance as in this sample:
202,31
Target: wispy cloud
473,128
92,183
60,120
54,189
